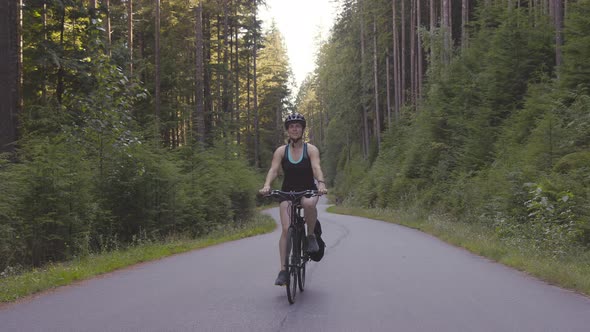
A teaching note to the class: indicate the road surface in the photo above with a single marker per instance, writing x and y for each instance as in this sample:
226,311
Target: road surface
375,276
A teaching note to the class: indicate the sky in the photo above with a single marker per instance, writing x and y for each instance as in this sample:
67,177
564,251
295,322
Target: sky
300,22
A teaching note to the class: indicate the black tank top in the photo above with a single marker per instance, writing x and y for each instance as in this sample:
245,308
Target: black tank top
298,173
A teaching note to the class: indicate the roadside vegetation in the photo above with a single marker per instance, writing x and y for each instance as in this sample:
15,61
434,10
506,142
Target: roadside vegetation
120,133
18,284
490,152
569,269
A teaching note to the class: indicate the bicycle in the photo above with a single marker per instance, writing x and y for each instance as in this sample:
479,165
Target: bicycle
296,260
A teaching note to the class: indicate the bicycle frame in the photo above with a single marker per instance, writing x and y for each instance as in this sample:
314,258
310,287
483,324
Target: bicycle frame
296,253
297,225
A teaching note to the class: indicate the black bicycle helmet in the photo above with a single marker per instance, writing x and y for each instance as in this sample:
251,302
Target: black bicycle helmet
295,117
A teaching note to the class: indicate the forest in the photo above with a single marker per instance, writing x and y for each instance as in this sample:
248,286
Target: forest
471,111
130,119
125,120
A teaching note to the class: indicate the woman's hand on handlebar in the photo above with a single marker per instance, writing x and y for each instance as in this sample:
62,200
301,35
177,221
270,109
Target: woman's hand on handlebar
265,191
322,189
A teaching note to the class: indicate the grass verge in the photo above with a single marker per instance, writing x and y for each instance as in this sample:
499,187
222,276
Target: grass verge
14,287
570,270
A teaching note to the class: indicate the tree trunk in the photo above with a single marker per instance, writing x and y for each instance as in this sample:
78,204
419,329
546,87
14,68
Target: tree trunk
141,53
255,94
226,107
237,80
231,74
403,52
396,64
20,61
432,26
248,102
420,56
108,25
218,98
413,33
9,73
59,90
279,126
376,85
388,87
157,66
130,35
365,135
44,64
446,31
450,16
199,114
558,10
464,22
208,99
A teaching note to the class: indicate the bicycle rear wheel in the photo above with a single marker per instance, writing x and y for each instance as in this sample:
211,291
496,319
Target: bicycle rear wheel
291,259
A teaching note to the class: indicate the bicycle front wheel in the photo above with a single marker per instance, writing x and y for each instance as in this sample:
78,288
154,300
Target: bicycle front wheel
302,260
292,262
292,285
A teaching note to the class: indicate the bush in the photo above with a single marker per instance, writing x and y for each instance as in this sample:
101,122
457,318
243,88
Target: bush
12,245
219,189
56,206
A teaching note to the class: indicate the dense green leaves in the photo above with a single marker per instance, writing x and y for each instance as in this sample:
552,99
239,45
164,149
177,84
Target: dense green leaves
576,70
499,137
95,168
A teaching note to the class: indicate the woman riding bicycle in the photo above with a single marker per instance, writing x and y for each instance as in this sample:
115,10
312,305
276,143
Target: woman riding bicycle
301,167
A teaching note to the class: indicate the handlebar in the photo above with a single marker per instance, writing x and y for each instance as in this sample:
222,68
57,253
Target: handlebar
293,195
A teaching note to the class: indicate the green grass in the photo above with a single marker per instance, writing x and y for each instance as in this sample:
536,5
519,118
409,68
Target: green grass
571,270
14,287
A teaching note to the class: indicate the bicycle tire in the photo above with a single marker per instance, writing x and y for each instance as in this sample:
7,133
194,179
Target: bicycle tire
302,260
291,266
292,285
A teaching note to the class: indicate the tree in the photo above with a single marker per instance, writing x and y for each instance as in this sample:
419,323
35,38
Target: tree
396,62
403,52
575,71
447,30
9,73
558,23
419,53
91,175
464,22
255,94
107,5
388,87
198,114
130,35
363,79
376,86
273,86
157,101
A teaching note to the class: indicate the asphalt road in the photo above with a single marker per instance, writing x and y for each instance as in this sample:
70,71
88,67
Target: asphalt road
375,276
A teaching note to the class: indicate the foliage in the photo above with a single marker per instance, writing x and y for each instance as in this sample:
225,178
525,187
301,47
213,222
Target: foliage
96,169
15,285
575,71
275,94
500,137
12,245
